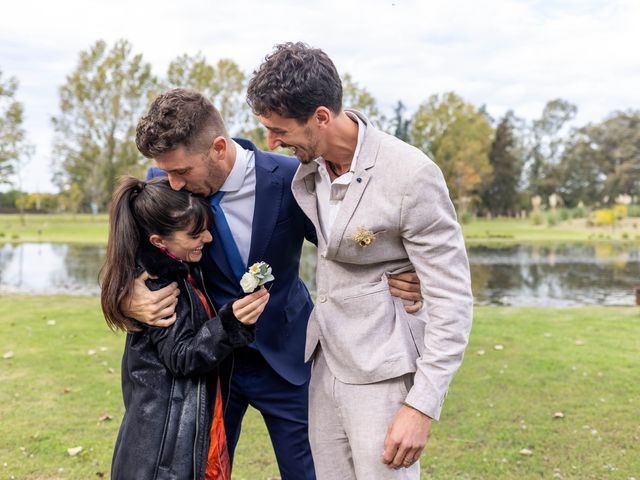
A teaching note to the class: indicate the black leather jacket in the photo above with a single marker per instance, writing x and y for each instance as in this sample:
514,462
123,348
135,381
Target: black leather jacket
169,380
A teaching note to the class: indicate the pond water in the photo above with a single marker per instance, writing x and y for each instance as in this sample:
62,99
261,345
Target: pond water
519,275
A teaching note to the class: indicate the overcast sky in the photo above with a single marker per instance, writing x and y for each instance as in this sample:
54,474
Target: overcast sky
506,54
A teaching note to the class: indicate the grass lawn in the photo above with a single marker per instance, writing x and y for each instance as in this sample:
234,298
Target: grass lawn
90,229
511,230
63,378
81,228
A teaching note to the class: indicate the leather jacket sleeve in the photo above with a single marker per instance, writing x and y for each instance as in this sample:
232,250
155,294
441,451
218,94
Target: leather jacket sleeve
188,351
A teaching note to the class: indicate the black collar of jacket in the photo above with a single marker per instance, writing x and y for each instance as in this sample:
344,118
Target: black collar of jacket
159,264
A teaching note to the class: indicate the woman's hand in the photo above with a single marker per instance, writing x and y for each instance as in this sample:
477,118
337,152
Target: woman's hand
248,309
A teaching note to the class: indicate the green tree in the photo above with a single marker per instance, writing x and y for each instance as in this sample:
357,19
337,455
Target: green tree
223,84
8,199
255,132
359,98
15,151
47,202
457,136
602,160
14,148
500,195
546,146
400,124
70,199
100,105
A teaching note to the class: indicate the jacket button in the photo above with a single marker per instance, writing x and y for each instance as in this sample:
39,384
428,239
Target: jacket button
322,298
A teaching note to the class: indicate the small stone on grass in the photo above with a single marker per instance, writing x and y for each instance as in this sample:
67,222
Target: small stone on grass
74,451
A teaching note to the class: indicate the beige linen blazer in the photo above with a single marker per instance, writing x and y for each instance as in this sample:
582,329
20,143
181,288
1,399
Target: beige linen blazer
400,195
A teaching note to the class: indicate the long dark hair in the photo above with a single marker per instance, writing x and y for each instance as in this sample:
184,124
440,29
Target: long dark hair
138,210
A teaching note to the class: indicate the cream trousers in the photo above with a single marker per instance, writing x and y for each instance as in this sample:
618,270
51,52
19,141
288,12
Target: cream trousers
348,424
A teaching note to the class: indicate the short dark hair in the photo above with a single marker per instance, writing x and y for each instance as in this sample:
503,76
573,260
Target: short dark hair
293,81
181,116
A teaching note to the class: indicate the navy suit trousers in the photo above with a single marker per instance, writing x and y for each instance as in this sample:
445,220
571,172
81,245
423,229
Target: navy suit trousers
283,406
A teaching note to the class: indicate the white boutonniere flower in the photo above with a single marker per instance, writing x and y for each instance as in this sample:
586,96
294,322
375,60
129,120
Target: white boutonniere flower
258,274
363,237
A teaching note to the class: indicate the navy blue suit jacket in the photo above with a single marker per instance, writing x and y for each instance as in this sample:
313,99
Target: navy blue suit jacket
279,229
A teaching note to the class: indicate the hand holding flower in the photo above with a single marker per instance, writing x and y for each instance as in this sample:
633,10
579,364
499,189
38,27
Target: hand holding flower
248,309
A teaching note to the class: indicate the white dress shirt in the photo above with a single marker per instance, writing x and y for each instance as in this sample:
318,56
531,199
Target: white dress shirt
239,199
330,194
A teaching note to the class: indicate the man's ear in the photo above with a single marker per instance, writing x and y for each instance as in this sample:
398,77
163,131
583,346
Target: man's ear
322,116
219,148
156,240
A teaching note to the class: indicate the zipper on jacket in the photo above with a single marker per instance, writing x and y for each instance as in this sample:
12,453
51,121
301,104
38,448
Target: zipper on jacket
204,289
164,431
197,431
225,404
233,358
195,441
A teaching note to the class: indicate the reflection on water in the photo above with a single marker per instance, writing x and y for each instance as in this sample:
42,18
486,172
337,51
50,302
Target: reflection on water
50,268
562,275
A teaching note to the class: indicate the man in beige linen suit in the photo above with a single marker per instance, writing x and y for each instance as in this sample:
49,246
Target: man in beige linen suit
379,206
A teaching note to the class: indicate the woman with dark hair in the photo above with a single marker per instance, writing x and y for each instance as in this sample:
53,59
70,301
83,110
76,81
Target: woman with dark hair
172,426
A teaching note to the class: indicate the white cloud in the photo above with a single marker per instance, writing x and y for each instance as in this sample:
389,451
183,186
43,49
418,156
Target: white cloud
507,54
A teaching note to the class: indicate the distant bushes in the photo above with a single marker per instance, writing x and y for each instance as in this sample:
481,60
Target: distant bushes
551,217
604,216
633,211
609,216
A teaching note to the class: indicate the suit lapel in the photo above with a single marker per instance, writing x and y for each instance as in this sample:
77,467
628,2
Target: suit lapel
268,195
362,175
347,208
269,191
219,257
303,187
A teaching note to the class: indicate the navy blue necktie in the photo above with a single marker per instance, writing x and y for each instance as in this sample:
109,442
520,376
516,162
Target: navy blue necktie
225,237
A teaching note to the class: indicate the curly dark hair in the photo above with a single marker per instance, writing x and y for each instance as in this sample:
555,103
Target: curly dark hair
180,116
293,81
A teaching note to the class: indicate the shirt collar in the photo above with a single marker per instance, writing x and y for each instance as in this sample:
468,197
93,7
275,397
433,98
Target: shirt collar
236,177
361,129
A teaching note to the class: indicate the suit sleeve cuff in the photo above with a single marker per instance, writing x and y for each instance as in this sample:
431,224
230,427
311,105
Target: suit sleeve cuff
430,406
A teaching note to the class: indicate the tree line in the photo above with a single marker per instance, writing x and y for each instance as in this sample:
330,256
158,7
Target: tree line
492,166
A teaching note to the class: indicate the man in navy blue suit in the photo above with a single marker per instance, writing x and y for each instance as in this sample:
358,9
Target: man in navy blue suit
185,135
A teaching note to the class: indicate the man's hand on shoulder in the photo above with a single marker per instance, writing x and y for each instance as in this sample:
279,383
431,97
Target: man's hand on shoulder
406,286
156,308
406,437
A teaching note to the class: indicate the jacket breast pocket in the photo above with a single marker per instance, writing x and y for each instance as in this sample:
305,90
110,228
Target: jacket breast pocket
367,300
365,290
377,245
